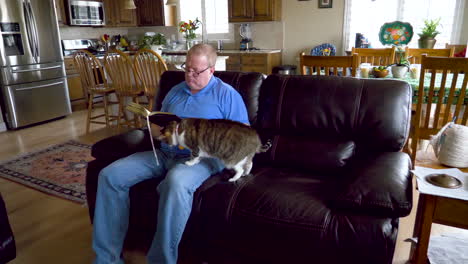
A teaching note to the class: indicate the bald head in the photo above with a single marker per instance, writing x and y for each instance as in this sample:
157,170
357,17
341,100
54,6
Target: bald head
204,50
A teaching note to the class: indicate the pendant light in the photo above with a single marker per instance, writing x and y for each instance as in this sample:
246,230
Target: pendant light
129,4
171,2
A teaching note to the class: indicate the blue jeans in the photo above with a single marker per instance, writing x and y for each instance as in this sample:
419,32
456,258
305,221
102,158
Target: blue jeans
176,191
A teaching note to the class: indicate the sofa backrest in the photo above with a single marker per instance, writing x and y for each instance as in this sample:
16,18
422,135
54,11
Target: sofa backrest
246,83
348,115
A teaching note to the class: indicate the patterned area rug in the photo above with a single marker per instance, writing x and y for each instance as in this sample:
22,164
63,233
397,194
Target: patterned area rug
59,170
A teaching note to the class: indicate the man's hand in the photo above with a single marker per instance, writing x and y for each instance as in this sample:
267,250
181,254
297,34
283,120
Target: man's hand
156,130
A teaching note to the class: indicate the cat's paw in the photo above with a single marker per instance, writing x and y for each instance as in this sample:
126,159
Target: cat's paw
192,162
235,178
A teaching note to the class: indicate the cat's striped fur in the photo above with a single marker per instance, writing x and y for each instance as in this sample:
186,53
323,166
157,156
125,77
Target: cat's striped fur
234,143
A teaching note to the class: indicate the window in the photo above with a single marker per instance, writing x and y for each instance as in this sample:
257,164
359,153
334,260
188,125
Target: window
367,16
214,15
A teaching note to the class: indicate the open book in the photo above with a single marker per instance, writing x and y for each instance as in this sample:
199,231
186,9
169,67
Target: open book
159,118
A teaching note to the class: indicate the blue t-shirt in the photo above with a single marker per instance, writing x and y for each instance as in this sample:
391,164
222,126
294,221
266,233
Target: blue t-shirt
218,100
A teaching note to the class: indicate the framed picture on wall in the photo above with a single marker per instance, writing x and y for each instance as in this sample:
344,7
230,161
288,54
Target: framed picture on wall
325,3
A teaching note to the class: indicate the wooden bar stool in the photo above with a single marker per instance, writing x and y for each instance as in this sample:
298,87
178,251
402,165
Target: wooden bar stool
149,66
95,85
126,82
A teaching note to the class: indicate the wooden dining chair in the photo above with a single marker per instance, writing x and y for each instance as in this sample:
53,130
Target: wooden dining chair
414,55
331,65
95,87
126,82
457,48
376,57
440,99
149,66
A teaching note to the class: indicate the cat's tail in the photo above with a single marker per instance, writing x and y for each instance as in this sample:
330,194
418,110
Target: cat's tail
265,147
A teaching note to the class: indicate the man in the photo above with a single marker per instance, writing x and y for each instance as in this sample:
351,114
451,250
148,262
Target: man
202,95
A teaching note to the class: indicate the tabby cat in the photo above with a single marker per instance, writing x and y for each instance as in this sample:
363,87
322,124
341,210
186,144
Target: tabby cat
234,143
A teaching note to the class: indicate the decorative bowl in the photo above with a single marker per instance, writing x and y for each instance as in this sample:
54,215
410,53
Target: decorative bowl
380,73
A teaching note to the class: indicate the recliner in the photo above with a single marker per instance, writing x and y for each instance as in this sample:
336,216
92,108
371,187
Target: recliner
330,190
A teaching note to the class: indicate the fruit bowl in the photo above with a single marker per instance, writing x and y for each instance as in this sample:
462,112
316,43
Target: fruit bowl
380,73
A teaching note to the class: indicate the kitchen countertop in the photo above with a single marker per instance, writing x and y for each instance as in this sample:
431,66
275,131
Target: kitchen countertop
220,52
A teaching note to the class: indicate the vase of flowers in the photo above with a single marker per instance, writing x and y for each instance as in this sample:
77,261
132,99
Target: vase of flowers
189,28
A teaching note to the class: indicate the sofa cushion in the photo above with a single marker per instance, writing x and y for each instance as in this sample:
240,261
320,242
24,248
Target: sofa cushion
283,216
378,184
375,114
311,154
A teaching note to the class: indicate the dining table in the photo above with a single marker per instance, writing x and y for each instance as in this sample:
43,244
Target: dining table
414,82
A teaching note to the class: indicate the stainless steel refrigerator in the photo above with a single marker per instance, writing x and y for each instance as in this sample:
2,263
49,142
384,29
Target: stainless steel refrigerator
33,83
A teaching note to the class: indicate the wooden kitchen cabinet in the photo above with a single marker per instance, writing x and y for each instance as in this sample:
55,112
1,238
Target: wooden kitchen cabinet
117,16
233,62
253,62
254,10
150,12
75,89
61,12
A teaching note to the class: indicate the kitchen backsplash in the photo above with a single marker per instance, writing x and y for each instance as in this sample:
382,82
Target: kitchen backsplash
89,32
133,33
265,35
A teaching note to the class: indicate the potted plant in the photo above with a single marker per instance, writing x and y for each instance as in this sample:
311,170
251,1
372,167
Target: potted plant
429,32
400,68
155,42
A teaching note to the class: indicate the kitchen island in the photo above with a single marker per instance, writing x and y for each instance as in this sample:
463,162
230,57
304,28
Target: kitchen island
261,60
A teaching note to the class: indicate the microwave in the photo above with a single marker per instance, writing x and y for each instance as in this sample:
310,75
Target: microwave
86,13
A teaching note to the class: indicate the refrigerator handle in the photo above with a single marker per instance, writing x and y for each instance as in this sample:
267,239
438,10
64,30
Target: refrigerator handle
34,30
39,86
37,69
29,30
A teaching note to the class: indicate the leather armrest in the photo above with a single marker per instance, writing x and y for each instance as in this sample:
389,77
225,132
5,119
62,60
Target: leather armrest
379,185
122,145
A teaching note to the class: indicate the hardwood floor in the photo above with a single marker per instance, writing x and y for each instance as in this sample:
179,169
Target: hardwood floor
53,230
48,229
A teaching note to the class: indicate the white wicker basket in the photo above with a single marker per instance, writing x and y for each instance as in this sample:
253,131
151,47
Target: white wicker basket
451,145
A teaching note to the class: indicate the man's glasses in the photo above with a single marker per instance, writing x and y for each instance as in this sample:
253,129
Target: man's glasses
194,73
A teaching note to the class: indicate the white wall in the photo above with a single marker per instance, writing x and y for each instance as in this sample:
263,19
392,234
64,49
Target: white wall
306,25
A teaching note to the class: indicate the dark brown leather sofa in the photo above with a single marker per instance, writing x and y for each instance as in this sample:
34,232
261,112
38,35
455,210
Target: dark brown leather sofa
7,240
330,190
